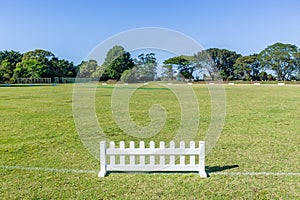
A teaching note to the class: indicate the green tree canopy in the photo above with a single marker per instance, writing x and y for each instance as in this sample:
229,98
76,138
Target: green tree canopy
30,67
146,66
112,54
116,62
144,69
247,68
87,68
129,76
223,60
282,58
8,62
43,64
61,68
185,64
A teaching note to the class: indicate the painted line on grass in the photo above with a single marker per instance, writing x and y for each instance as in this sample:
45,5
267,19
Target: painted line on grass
256,173
96,171
49,169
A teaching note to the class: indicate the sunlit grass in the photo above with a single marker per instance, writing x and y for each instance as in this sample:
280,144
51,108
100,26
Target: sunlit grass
261,134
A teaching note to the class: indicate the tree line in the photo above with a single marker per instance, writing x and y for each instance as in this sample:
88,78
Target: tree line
282,59
214,63
33,64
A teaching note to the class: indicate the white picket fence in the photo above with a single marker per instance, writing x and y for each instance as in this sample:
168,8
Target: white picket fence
152,159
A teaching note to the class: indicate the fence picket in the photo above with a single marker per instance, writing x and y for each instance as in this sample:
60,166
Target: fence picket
192,157
112,160
182,157
122,158
142,157
162,157
152,157
172,157
131,158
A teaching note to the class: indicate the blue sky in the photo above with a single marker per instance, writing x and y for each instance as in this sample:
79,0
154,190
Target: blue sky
71,29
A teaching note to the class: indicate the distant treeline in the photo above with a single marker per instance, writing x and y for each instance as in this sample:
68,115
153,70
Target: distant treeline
282,59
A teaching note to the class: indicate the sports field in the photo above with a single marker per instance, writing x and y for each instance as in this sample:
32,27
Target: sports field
256,157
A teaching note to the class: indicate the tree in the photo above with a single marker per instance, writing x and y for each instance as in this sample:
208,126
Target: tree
112,54
145,67
116,62
41,55
221,59
263,76
205,62
60,68
98,73
34,64
247,68
282,58
43,64
8,62
185,64
87,68
31,68
118,66
168,72
129,76
67,69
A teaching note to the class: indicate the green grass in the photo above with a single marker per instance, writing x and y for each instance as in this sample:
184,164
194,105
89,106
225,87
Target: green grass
261,134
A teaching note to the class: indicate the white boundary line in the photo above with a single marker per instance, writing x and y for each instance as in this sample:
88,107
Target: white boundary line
256,173
96,171
49,169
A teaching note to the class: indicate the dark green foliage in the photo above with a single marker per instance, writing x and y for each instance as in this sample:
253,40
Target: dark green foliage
115,69
185,64
247,68
145,67
129,76
282,58
223,60
61,68
116,62
8,62
33,64
87,68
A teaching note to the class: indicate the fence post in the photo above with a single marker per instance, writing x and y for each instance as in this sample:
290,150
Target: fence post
202,172
102,172
192,157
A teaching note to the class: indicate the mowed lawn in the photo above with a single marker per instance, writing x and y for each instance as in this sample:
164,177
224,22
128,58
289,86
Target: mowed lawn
42,154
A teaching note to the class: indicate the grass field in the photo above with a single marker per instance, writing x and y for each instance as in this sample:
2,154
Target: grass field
257,155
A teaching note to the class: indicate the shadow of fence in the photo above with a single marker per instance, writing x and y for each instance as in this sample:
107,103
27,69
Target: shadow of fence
213,169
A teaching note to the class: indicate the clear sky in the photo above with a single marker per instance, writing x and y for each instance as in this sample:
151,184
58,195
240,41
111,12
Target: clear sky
72,28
